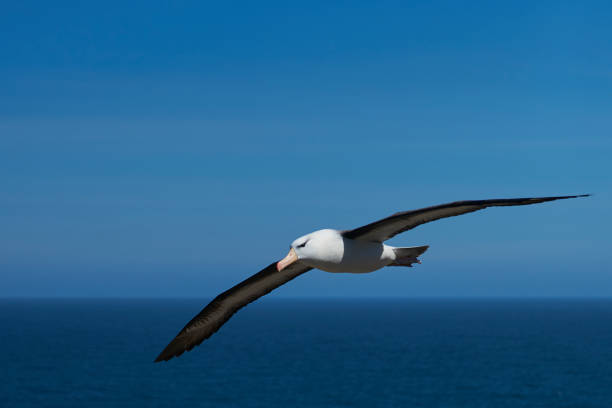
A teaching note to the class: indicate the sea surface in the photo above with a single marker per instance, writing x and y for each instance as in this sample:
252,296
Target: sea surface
309,353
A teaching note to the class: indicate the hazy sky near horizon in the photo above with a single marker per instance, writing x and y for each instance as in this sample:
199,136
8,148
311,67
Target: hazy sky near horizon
166,149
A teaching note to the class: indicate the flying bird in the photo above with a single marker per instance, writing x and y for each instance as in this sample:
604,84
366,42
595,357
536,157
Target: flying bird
359,250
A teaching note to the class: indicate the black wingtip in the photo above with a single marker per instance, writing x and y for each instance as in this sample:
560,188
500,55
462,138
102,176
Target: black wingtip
174,349
577,196
167,354
165,357
565,197
161,357
574,196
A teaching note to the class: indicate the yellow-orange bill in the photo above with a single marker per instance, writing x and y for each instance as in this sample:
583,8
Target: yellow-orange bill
286,261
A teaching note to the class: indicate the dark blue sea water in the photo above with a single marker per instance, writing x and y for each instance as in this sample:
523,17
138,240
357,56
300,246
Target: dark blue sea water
312,353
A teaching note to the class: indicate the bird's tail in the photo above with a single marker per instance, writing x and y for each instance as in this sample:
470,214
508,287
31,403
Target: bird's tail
408,256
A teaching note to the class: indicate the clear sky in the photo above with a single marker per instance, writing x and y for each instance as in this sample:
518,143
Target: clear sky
174,148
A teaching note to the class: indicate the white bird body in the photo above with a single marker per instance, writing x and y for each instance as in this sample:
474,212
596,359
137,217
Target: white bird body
329,251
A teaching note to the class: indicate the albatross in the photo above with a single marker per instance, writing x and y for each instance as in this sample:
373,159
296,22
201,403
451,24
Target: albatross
359,250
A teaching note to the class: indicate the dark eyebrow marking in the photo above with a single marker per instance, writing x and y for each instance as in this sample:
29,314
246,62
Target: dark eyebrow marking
303,244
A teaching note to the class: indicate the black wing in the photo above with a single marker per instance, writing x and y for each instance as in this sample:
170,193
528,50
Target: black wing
219,311
386,228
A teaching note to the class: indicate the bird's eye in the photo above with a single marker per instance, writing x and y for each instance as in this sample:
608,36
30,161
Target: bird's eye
302,245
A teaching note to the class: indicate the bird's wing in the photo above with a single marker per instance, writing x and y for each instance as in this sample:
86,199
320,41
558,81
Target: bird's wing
386,228
219,311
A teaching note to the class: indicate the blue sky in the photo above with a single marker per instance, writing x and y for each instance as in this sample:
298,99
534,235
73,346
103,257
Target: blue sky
149,149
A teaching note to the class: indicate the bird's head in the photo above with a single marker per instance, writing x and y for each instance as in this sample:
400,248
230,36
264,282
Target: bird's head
306,248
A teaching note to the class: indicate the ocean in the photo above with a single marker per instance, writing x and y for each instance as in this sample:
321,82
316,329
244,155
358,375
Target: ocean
309,353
